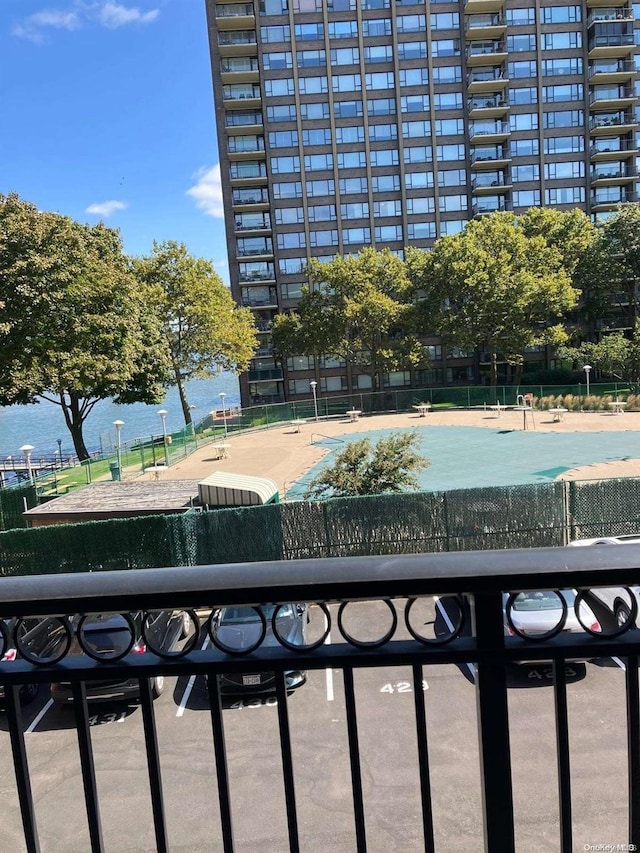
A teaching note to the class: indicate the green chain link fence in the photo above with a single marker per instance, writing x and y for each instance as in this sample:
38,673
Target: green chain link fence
532,515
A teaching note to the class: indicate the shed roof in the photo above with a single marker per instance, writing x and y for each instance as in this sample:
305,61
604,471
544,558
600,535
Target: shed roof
222,489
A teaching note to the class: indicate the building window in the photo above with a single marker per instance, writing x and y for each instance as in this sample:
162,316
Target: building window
385,183
312,85
323,238
560,15
565,195
291,291
346,83
317,136
281,138
299,386
381,107
525,172
318,162
450,152
566,169
284,164
421,230
523,121
388,233
521,42
418,154
386,208
414,104
292,240
356,210
330,361
449,227
563,144
411,23
524,147
520,17
445,21
564,118
452,178
317,110
347,109
422,204
350,186
561,67
518,70
524,95
397,379
416,129
320,188
289,189
566,92
343,29
301,362
380,80
377,53
281,112
352,159
308,32
449,127
452,203
376,27
445,47
357,236
330,384
412,50
292,266
322,213
362,382
526,198
561,41
278,88
382,132
349,134
418,180
274,61
270,35
289,215
311,58
447,101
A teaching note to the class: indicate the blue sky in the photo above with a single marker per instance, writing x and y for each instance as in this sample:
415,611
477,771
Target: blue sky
107,115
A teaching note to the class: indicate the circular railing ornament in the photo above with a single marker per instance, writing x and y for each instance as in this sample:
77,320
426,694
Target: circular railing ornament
453,628
546,635
301,647
367,644
240,633
100,651
43,641
189,624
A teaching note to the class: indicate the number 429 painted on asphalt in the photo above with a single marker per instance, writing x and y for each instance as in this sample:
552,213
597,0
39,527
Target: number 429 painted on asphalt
401,687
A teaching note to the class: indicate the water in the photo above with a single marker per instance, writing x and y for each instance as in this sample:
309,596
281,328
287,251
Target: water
42,424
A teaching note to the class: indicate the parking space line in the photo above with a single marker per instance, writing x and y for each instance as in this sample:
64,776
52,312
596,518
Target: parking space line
328,672
189,687
451,628
37,719
620,663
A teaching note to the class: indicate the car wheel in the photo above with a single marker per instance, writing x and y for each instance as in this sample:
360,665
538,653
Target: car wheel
157,686
28,693
622,614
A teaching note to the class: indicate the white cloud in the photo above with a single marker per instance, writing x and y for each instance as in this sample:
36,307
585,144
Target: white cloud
33,27
106,208
207,191
108,14
113,15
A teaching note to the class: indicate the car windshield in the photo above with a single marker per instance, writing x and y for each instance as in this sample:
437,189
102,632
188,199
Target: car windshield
543,599
246,615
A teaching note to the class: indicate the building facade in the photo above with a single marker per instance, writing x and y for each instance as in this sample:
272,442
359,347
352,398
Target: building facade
349,123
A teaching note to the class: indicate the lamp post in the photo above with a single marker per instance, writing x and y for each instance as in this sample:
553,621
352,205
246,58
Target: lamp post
222,395
118,425
26,450
59,440
193,427
163,416
314,385
587,370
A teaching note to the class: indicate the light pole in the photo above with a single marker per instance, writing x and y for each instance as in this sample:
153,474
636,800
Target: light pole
587,370
163,416
26,450
59,440
314,385
222,395
118,425
193,427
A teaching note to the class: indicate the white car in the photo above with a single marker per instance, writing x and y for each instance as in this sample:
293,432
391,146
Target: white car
616,598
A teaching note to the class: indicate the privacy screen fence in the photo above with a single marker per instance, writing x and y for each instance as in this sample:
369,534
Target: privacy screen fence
533,515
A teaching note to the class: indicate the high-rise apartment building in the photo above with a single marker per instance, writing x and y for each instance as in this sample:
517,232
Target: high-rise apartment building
350,123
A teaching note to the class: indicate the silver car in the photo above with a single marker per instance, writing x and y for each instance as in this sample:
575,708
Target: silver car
615,598
539,612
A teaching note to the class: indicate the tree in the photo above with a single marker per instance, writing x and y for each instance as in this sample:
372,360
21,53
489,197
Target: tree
360,308
203,330
571,233
74,327
364,469
498,289
614,355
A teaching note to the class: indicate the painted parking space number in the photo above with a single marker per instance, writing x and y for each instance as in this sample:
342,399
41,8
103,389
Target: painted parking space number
401,687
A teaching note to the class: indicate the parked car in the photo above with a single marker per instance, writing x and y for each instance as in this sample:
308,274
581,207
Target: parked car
241,627
615,598
539,612
107,634
41,638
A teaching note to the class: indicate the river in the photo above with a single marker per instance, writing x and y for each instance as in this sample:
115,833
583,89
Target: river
42,424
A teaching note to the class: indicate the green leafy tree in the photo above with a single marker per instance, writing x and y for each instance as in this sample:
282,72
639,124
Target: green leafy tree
74,328
204,331
361,308
364,469
498,289
572,233
614,356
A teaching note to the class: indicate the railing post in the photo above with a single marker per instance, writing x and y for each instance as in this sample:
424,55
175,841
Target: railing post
493,725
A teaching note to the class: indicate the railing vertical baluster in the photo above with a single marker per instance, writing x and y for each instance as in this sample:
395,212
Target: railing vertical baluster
562,748
354,758
633,748
153,765
222,771
423,758
87,764
21,767
493,722
287,763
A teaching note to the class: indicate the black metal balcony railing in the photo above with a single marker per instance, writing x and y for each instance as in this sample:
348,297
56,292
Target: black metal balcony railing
470,586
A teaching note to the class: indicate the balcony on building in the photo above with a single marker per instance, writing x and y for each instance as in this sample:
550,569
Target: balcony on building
265,369
484,107
254,221
242,69
613,148
263,321
608,198
611,173
610,39
259,296
486,53
486,183
256,271
488,204
490,157
241,96
250,197
481,132
237,43
234,16
611,97
613,13
253,171
481,7
486,26
611,71
253,247
611,124
486,79
247,145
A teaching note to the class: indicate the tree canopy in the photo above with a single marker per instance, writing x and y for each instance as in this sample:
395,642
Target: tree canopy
613,355
361,308
74,327
366,469
498,289
203,329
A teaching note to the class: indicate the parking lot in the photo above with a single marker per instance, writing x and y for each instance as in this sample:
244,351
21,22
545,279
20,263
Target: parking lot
387,738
